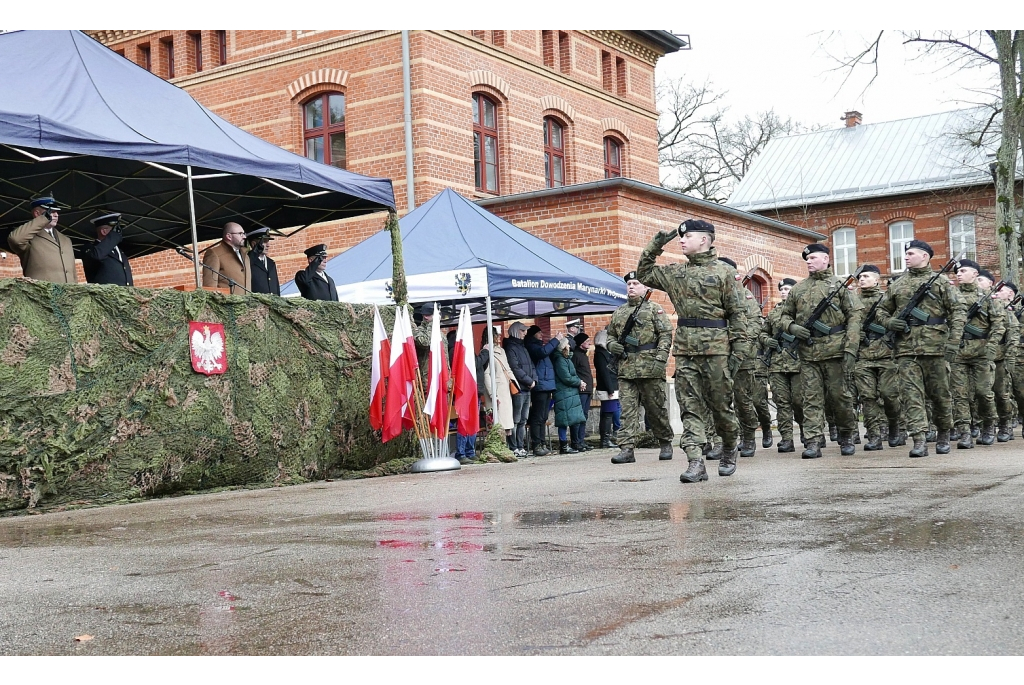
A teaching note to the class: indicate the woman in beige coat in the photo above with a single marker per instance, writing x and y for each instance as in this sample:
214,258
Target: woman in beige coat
502,377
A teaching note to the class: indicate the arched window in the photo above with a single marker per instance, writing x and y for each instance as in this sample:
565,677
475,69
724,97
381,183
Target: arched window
844,246
485,143
554,153
757,288
961,236
323,124
900,233
612,158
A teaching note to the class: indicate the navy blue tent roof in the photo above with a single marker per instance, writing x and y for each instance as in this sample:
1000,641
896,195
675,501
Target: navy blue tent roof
450,245
103,133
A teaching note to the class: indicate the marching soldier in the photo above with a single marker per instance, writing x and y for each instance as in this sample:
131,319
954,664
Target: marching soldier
642,358
972,371
783,374
1006,362
921,344
46,254
764,415
103,261
710,340
743,380
828,350
264,269
875,375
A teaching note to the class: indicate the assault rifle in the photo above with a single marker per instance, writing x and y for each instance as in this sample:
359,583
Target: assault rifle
786,341
626,338
813,322
912,310
874,331
973,311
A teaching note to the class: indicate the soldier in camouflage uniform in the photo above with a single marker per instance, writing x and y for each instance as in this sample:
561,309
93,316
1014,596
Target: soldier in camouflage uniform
972,371
710,340
828,351
875,375
641,370
764,413
743,380
921,346
784,373
1006,362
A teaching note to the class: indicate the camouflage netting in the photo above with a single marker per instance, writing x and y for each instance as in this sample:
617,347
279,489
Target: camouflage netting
100,402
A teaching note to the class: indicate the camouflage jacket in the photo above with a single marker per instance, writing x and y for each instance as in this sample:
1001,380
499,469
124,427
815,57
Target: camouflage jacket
1007,350
782,361
653,327
872,350
753,313
946,303
702,288
990,321
846,311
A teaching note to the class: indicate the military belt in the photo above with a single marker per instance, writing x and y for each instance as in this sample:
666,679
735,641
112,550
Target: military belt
644,347
702,323
832,331
930,321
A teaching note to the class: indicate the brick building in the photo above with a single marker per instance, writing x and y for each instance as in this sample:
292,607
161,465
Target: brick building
495,115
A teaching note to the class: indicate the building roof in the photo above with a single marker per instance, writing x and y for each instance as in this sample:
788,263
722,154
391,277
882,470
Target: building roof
865,161
666,40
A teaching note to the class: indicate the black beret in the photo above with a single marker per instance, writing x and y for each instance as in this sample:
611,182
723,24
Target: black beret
581,338
871,267
1012,286
814,247
696,226
315,250
532,330
631,276
968,262
727,261
787,281
920,245
987,274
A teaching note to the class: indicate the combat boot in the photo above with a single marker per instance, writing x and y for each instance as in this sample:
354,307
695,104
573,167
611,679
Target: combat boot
833,433
694,473
727,464
942,442
786,445
1004,434
965,442
894,435
813,448
666,451
625,455
716,453
874,443
975,431
766,436
883,434
988,435
856,437
930,436
747,447
920,448
846,446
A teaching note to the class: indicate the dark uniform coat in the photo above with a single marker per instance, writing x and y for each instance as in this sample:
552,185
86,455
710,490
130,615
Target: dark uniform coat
104,262
44,257
264,276
312,285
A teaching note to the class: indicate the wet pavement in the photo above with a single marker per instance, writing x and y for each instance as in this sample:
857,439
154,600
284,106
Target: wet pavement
870,554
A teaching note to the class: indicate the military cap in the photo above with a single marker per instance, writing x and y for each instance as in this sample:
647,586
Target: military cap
696,226
968,262
812,248
106,219
920,245
532,330
261,232
315,250
631,276
872,268
580,338
571,324
727,261
787,281
42,201
986,274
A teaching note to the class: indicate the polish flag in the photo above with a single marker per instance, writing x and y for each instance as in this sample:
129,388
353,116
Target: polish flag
380,366
436,405
464,374
397,414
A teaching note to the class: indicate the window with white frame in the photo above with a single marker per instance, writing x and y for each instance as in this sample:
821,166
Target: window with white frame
961,236
900,233
844,246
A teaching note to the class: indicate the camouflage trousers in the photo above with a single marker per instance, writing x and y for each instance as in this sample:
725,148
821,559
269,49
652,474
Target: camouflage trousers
878,388
821,382
764,414
788,406
973,378
1018,387
920,377
649,392
743,401
703,385
1006,405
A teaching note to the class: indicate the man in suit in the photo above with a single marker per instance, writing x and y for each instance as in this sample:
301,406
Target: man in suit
229,264
313,282
264,270
46,254
103,261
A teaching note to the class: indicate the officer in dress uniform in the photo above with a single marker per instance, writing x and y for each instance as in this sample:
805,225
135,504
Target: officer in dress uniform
46,254
103,261
264,270
313,282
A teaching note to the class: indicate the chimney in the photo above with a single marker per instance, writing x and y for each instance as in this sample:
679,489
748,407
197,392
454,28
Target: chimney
852,118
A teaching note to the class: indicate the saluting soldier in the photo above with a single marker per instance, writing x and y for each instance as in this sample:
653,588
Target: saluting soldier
264,269
1006,362
103,261
743,380
972,371
875,375
710,341
783,374
313,282
46,254
828,352
924,345
642,358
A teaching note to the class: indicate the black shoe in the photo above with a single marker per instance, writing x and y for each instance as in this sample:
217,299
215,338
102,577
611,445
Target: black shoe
606,442
930,436
766,437
975,432
813,450
666,451
920,448
747,448
541,451
874,443
694,473
846,446
941,443
833,433
625,456
965,442
715,454
786,445
727,464
988,435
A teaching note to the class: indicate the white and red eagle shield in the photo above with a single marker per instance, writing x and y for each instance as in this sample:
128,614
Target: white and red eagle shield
206,342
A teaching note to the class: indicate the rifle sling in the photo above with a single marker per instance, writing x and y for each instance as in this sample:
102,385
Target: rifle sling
815,333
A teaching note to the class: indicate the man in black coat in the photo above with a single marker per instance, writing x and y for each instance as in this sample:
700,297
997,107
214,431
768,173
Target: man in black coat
264,270
581,362
526,377
103,261
313,282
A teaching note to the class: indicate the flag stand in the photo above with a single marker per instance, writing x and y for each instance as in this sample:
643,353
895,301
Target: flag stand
435,449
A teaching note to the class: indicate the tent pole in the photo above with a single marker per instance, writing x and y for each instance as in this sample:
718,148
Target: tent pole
490,341
192,220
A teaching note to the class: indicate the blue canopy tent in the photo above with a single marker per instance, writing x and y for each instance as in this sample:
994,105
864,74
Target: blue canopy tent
100,132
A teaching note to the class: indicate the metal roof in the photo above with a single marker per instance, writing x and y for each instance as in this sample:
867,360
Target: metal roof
868,160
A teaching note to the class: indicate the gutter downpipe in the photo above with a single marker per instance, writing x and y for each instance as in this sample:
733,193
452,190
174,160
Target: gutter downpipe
410,189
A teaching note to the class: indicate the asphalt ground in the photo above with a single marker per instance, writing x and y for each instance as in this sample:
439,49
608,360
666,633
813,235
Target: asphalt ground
873,554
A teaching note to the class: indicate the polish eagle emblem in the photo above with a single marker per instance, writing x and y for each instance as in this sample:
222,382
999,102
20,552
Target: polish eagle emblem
463,282
389,289
206,343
